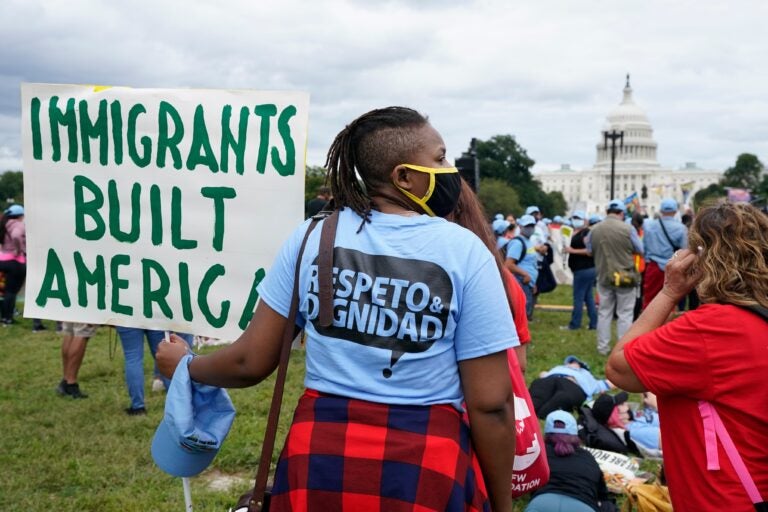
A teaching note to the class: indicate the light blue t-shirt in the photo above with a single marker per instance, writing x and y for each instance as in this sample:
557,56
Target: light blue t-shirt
586,381
530,262
412,297
657,247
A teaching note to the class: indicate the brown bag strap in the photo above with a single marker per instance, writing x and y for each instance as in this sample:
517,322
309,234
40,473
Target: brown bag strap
325,269
262,474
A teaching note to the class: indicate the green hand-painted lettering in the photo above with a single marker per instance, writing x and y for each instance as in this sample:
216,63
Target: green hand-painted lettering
265,112
37,140
166,142
176,240
85,277
119,260
114,213
68,119
201,144
218,194
228,140
54,275
155,210
184,294
146,142
90,208
289,167
202,297
89,130
253,297
117,130
158,295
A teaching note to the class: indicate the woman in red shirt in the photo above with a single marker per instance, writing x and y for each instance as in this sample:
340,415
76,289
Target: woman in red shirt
708,362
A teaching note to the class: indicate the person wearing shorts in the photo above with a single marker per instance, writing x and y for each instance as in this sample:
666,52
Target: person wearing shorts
73,344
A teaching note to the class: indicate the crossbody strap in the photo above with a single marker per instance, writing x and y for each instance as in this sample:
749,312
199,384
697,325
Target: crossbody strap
674,246
714,430
325,269
267,447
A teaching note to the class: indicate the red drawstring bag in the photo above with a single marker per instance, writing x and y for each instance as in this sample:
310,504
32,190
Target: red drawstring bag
531,470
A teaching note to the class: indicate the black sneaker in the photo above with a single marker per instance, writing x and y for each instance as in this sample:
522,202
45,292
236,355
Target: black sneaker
61,389
139,411
73,390
39,328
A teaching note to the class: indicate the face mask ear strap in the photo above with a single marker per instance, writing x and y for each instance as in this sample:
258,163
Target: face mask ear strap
422,202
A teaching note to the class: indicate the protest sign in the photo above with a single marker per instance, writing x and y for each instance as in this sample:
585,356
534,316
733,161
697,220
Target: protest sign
158,208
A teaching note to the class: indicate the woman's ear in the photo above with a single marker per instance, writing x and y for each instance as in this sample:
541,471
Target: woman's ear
402,178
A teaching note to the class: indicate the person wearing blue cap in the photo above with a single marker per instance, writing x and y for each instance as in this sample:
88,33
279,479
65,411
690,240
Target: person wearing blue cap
662,238
13,259
418,332
582,264
501,228
576,482
613,243
521,260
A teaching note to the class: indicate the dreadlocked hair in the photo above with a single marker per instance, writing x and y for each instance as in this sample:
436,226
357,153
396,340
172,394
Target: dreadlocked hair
373,144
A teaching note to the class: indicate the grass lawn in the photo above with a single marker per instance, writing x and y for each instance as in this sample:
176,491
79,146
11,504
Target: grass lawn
74,455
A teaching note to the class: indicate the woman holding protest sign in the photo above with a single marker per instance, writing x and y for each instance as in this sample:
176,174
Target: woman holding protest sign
417,330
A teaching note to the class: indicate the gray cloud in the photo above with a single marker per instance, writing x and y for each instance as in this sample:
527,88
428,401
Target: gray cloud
547,72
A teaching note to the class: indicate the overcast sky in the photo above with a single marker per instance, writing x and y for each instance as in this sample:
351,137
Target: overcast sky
547,72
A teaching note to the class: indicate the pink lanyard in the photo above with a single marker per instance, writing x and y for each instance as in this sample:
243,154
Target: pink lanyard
714,429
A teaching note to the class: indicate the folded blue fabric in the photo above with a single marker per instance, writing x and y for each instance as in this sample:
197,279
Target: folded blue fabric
197,420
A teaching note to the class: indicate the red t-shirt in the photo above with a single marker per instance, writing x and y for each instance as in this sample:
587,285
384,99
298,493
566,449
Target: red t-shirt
516,298
717,353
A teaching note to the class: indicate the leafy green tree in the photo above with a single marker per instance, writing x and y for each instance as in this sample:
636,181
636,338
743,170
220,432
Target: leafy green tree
498,197
11,187
503,158
709,195
745,174
314,177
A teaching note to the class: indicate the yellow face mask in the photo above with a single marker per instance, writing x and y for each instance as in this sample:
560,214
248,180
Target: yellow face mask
443,191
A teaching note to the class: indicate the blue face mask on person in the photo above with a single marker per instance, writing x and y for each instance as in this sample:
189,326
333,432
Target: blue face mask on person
527,231
578,223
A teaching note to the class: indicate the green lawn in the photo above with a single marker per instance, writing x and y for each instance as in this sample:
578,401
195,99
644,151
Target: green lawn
74,455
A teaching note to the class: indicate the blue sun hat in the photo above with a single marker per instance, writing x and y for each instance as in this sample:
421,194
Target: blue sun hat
197,420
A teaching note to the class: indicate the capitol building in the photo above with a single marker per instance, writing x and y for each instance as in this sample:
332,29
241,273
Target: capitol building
636,168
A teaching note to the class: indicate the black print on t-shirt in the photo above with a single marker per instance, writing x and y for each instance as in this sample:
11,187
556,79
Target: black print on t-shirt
387,302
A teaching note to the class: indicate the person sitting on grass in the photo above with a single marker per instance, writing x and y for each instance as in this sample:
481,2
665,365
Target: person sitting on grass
576,482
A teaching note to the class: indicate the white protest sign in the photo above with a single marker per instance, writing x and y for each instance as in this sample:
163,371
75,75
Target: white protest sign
158,208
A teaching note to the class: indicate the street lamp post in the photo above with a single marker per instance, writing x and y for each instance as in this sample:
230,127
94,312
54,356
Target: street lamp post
613,136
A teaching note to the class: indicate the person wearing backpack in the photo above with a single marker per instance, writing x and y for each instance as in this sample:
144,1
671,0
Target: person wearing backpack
708,366
521,260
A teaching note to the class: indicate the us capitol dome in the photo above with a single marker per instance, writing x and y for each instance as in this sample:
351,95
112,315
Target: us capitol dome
636,167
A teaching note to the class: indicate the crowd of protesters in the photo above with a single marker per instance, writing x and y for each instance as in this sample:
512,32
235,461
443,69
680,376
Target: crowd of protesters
412,207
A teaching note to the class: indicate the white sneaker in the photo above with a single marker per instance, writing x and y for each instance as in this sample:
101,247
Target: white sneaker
157,385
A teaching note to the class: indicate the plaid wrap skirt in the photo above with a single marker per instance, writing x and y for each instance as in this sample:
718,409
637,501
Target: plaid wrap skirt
343,454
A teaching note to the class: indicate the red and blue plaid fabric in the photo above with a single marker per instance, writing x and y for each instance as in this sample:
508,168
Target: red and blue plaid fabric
343,454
